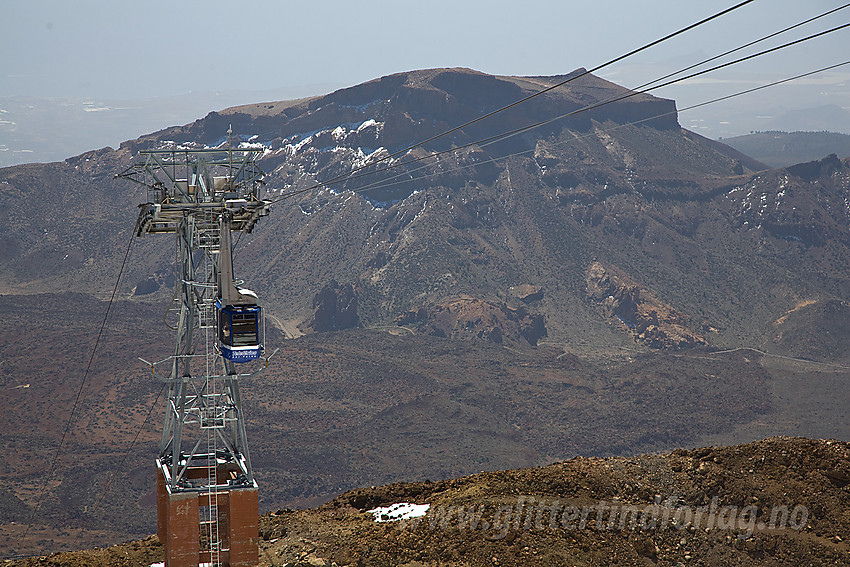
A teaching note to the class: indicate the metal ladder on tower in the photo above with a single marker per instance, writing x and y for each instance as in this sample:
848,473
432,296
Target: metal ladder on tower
208,238
212,419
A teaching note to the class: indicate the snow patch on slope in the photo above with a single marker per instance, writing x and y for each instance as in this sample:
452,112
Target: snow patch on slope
399,511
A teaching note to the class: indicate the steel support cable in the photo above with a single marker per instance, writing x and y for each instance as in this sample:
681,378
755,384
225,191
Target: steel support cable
746,45
102,494
79,396
505,135
618,126
520,101
499,137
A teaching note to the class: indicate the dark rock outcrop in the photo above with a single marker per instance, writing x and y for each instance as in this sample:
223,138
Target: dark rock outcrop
472,318
650,321
527,293
335,308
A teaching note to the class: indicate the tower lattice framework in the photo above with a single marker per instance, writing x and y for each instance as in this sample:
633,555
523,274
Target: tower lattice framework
207,504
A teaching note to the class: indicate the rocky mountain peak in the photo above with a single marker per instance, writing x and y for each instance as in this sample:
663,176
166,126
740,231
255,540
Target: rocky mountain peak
620,230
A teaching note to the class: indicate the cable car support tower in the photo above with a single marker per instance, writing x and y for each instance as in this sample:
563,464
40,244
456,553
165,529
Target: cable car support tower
207,499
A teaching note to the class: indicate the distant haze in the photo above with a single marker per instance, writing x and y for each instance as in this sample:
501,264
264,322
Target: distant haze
70,68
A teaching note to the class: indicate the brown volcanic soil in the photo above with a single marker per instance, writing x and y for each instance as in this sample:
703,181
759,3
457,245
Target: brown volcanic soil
766,474
686,221
359,408
715,508
45,346
470,318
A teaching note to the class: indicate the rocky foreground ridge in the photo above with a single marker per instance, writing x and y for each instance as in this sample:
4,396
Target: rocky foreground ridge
779,501
628,239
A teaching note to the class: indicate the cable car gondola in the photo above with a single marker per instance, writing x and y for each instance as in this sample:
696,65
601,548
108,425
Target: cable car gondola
239,332
239,318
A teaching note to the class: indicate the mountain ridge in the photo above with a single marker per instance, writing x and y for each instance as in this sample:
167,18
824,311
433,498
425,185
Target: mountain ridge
701,241
777,501
785,149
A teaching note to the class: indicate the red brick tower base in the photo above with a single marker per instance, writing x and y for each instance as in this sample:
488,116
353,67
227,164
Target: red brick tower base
178,525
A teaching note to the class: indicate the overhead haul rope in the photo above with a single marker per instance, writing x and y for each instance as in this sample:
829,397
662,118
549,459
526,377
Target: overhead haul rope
486,141
746,45
517,131
379,184
102,494
79,395
500,137
610,129
520,101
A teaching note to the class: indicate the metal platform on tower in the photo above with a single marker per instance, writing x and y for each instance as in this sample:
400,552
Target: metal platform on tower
207,504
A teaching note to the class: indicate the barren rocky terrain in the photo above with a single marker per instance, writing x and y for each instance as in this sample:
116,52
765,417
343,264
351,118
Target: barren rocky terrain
608,285
362,407
780,501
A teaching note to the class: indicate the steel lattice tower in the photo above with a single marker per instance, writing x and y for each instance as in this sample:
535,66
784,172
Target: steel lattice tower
200,196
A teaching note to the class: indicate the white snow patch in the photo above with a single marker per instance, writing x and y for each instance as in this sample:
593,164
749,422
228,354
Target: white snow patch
251,146
366,124
400,511
376,153
421,211
297,147
362,158
338,133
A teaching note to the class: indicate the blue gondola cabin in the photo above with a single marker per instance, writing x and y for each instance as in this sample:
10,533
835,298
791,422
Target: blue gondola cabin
239,332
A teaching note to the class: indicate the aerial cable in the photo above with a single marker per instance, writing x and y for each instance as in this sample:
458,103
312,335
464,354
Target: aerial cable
760,87
746,45
79,395
499,137
383,185
503,136
522,100
102,494
617,127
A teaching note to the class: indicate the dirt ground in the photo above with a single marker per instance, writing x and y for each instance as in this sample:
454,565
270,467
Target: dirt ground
779,501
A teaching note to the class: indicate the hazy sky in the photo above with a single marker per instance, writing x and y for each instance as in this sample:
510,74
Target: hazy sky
119,49
83,74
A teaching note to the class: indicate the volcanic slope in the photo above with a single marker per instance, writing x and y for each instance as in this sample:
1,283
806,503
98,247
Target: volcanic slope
337,411
632,237
780,501
622,184
722,250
